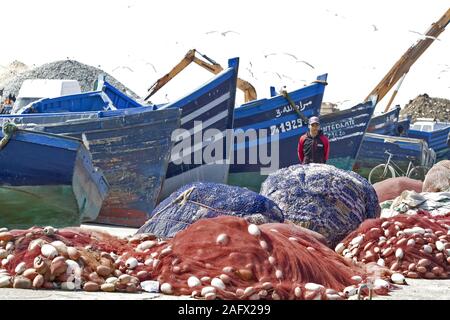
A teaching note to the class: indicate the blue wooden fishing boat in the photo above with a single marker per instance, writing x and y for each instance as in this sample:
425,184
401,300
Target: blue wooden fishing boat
403,126
385,123
209,107
273,123
436,134
345,129
403,150
206,112
47,179
132,145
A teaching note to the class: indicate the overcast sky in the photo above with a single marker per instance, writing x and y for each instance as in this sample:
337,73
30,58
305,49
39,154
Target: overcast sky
355,42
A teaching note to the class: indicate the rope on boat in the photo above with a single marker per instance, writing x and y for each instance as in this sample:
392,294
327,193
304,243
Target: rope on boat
285,94
182,199
8,131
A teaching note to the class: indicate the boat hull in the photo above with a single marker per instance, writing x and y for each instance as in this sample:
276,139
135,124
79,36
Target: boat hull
438,140
133,151
386,123
269,127
403,149
27,206
48,180
209,108
345,131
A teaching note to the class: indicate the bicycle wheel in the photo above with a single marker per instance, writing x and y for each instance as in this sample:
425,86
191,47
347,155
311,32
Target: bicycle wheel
380,173
418,173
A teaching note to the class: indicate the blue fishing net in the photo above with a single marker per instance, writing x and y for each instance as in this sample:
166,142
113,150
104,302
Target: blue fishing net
322,198
208,200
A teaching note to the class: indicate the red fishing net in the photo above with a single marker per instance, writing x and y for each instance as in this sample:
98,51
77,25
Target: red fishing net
418,246
224,257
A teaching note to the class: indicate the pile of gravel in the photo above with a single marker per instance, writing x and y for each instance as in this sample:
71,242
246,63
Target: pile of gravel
424,106
65,69
10,71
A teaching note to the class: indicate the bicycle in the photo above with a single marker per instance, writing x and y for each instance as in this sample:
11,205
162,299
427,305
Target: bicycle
391,170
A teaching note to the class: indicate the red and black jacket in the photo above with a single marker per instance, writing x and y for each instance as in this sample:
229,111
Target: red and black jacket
313,149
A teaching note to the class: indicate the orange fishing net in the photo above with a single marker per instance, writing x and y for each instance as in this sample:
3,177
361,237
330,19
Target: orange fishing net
224,257
418,246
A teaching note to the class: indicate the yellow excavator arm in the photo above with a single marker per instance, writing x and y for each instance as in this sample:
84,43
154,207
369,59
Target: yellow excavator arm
402,66
211,66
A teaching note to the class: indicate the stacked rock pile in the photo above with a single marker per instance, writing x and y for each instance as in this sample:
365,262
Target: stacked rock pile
424,106
64,69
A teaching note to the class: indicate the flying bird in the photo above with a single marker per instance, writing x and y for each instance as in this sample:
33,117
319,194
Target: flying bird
285,53
224,33
335,14
307,63
287,77
250,71
276,73
150,64
122,67
291,55
270,54
229,31
424,36
374,27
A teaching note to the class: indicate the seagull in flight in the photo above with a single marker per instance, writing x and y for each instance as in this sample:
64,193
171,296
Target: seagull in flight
250,71
276,73
224,33
285,53
374,27
151,64
307,63
123,67
424,36
334,14
270,54
287,77
291,55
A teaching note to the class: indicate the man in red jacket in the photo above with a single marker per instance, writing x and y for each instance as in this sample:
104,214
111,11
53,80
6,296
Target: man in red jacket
313,146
